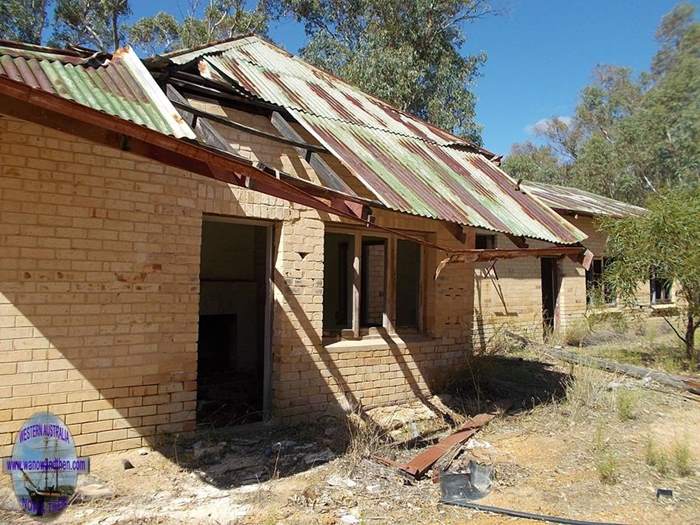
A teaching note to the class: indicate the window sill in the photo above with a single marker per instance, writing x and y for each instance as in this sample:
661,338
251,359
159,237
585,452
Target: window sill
663,306
606,308
376,342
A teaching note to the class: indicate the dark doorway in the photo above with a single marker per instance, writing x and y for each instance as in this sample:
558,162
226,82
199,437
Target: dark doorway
550,291
231,350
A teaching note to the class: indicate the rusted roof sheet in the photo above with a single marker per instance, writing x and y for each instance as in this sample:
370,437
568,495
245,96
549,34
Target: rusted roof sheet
118,84
410,165
429,180
569,199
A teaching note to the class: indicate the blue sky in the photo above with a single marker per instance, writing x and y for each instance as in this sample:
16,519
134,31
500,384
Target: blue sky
540,54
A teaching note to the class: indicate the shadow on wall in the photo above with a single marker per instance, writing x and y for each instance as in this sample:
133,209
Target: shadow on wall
501,306
99,283
99,292
311,378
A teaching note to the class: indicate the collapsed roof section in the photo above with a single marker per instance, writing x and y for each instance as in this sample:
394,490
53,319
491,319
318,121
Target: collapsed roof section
113,100
407,164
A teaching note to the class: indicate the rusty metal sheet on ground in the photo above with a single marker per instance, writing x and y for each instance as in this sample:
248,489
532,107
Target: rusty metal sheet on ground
421,463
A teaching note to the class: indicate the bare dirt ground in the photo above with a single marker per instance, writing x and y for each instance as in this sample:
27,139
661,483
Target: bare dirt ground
585,445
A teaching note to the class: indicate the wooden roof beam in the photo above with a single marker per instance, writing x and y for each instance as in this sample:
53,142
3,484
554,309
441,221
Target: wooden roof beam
328,177
224,121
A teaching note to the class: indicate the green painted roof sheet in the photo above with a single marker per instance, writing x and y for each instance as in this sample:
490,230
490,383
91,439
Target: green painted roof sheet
117,84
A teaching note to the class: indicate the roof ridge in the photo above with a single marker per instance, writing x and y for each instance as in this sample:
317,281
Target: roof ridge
43,49
240,41
296,58
203,47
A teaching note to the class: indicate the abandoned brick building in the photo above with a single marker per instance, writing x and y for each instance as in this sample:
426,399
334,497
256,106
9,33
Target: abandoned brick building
527,294
227,234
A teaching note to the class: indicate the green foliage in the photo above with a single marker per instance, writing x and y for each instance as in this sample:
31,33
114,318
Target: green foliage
22,20
218,20
665,240
406,53
92,23
535,163
632,136
157,33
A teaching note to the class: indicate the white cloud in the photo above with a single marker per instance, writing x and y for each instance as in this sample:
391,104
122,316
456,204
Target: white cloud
543,124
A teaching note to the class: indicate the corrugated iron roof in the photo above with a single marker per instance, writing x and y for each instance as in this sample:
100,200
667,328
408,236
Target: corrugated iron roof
575,200
118,84
423,178
407,163
324,94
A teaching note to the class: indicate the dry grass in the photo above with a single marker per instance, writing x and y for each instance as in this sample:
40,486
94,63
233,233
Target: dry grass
682,457
365,439
587,389
643,343
575,334
626,401
656,457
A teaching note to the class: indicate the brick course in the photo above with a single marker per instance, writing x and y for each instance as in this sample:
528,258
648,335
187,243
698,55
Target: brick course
99,294
513,301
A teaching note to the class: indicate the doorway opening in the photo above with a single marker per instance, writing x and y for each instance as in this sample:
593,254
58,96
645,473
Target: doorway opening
550,292
233,357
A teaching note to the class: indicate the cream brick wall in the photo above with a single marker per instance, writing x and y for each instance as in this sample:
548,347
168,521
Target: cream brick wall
514,300
99,292
507,296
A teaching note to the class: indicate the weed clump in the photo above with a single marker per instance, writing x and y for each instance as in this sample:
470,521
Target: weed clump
364,438
606,465
656,457
682,458
575,334
587,388
679,457
626,404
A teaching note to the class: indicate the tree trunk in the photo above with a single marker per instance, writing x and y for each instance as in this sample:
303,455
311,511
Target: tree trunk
115,29
690,338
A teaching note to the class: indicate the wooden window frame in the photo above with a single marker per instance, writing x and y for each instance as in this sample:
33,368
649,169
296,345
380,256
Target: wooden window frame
389,314
491,240
653,300
593,283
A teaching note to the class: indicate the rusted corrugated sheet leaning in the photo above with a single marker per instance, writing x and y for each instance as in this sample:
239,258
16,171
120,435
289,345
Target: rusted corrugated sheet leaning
409,165
567,199
118,84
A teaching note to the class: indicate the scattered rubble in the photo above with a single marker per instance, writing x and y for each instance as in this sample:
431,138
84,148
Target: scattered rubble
537,459
448,448
410,421
91,488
